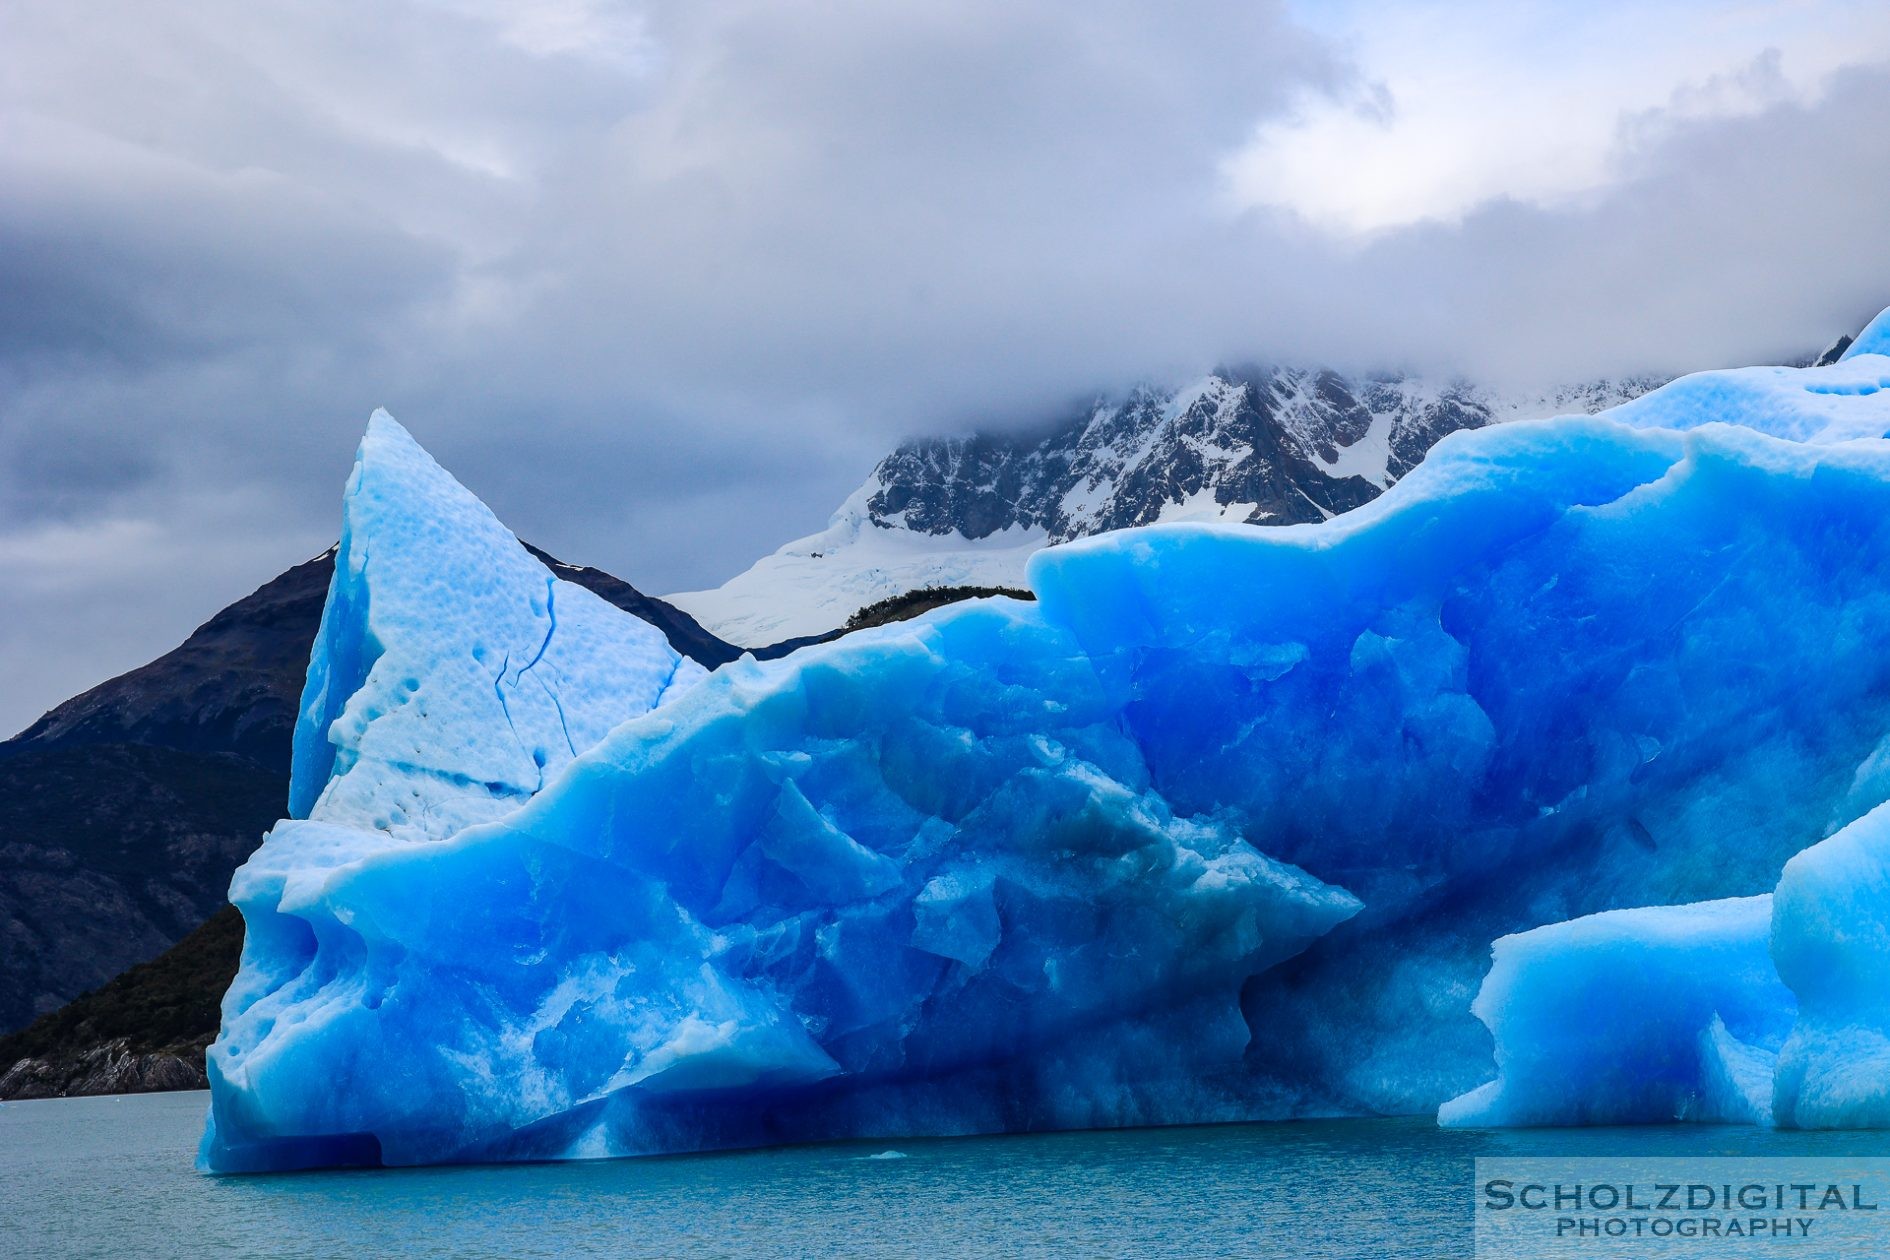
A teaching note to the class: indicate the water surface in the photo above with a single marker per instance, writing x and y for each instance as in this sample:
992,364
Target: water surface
113,1177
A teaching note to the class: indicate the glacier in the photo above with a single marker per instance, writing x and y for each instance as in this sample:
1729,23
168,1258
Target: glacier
1223,826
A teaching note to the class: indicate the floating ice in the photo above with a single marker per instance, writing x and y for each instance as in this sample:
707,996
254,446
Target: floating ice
1633,1017
1831,939
672,945
1836,403
1221,827
1681,1012
453,673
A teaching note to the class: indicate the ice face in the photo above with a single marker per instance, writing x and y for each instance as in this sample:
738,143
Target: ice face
1835,403
1554,668
1874,340
1223,826
674,946
1831,939
453,674
1633,1017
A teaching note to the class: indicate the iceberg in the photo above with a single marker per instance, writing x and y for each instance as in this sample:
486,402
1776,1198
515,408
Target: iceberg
691,976
1831,941
1772,1009
453,674
1839,402
1633,1016
1874,340
1222,826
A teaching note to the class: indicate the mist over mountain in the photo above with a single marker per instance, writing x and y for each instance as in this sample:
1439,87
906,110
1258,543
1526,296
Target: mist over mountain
1261,445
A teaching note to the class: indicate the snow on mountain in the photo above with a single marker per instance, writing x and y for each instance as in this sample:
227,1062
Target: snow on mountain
814,584
1263,446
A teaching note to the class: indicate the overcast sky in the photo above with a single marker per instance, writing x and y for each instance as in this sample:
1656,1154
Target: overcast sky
661,281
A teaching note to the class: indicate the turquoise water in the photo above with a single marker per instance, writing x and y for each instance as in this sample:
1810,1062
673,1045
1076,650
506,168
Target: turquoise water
113,1177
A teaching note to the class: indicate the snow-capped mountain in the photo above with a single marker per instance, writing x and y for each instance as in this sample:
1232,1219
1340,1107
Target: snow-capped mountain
1273,446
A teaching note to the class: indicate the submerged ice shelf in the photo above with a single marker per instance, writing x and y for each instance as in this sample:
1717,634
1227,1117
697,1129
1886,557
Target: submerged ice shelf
1223,826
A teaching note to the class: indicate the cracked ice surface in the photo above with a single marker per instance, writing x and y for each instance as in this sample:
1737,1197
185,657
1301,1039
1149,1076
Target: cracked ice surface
1223,826
453,673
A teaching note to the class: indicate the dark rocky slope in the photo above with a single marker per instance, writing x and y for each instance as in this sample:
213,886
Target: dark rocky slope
924,600
142,1032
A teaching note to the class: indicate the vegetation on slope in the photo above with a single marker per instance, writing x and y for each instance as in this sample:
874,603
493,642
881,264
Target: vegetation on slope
167,1005
924,600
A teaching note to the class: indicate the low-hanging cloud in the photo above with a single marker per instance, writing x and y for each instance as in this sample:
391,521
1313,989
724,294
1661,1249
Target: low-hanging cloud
661,281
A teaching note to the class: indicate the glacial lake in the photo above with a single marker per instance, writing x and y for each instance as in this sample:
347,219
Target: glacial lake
113,1177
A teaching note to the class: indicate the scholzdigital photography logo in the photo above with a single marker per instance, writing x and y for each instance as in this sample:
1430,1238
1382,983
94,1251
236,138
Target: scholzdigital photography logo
1649,1207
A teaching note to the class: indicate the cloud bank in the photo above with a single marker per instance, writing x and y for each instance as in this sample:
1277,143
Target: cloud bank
661,281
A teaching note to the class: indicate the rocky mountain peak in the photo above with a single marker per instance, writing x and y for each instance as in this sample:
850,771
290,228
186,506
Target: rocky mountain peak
1268,445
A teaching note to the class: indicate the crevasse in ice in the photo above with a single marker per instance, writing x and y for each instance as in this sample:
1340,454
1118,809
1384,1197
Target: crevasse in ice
453,674
1223,826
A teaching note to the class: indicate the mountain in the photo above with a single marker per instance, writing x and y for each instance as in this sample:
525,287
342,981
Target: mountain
1271,446
124,810
144,1031
1833,352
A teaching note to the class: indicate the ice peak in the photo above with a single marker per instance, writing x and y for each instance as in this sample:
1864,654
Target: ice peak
1875,339
439,622
392,466
385,435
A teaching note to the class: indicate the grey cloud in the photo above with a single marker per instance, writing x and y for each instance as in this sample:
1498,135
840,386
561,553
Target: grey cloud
1731,240
661,282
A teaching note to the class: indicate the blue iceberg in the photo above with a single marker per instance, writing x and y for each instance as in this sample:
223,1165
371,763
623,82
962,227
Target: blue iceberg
453,674
1633,1017
1772,1009
1831,940
1221,827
